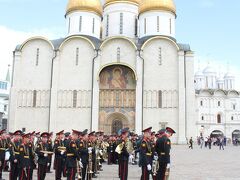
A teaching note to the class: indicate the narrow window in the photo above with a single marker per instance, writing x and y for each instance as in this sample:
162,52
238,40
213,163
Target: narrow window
118,54
201,103
219,103
234,107
202,118
232,118
136,26
145,25
69,25
77,56
160,99
121,23
74,98
37,57
107,25
93,30
160,56
34,98
170,21
5,107
219,119
157,23
80,24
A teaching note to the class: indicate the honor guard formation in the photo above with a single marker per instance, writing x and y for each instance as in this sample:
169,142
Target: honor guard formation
80,154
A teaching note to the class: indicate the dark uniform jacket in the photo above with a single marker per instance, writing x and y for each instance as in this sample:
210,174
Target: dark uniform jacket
163,147
145,153
83,151
3,147
14,150
72,155
24,156
41,158
124,154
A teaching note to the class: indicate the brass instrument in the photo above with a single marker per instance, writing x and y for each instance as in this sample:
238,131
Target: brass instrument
128,145
167,174
62,149
90,165
155,167
119,148
47,152
79,171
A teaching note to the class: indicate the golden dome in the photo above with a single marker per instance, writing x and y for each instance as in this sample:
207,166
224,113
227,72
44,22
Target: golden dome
84,5
148,5
121,1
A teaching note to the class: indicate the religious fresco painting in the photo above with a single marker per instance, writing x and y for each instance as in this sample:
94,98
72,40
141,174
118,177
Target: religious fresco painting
117,98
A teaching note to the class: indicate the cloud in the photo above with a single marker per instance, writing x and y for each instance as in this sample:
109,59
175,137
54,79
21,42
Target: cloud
10,38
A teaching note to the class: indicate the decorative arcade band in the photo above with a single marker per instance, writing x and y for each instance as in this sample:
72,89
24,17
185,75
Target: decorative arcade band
79,155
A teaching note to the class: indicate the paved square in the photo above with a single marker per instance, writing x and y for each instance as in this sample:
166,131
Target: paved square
196,164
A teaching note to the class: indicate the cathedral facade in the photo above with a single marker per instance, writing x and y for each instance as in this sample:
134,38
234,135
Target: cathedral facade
118,66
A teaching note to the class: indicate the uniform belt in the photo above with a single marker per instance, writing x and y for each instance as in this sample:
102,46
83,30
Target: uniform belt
69,155
3,149
16,153
162,153
148,154
26,157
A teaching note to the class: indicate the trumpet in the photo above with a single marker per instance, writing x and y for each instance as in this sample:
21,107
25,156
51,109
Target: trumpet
62,149
79,171
90,166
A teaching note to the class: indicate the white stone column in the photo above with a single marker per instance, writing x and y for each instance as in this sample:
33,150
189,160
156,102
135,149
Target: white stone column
95,105
139,99
181,102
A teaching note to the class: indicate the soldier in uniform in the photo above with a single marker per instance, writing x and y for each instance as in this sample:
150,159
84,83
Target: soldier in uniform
66,142
83,150
14,154
91,148
24,158
163,146
32,154
3,147
124,155
110,150
60,155
72,156
43,150
145,160
50,144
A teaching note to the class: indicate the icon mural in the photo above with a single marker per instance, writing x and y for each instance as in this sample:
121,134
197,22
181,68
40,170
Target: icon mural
117,97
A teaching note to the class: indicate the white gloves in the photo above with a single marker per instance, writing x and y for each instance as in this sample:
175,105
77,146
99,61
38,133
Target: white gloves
15,160
149,168
45,155
155,158
62,152
48,164
168,166
80,164
90,150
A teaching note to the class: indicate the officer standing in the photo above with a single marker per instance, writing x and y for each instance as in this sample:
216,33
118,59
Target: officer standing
163,146
3,147
83,150
43,150
146,154
24,158
60,155
72,156
14,154
124,155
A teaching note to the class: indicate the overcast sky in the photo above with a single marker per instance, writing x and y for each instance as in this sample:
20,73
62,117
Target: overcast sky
211,27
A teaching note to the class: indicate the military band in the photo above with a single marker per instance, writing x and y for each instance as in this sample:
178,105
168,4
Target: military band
80,154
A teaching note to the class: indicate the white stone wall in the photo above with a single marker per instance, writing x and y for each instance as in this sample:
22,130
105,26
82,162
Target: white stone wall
32,71
157,23
83,23
111,20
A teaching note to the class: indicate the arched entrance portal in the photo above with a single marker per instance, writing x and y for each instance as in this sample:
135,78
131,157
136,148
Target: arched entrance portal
117,98
217,134
236,135
116,126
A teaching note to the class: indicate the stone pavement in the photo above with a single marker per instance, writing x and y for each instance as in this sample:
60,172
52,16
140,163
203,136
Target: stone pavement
196,164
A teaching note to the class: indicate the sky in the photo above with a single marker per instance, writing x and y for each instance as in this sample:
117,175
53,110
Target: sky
211,27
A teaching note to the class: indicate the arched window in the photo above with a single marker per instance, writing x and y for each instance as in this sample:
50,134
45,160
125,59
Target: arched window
201,103
232,118
219,119
202,118
219,103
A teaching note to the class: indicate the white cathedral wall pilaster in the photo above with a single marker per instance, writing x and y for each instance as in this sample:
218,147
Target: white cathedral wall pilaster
139,91
181,102
191,114
95,102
